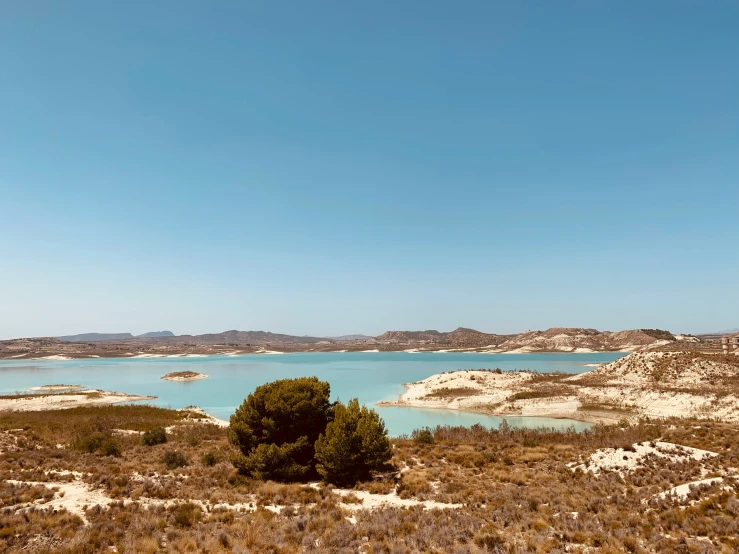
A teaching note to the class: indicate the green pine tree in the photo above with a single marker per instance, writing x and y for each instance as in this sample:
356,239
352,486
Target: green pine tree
277,426
354,445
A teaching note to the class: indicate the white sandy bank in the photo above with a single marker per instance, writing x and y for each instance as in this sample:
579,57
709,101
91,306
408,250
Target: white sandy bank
39,402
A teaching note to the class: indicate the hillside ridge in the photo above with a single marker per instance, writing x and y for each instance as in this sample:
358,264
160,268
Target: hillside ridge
462,339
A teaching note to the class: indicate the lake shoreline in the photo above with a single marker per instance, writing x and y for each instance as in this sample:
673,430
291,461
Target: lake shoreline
370,377
583,417
61,401
185,355
645,384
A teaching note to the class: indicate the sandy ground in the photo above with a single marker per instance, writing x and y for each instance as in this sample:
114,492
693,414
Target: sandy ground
207,417
39,402
627,388
370,501
658,454
681,492
620,460
76,496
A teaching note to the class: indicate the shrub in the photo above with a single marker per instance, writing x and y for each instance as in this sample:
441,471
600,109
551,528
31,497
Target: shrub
489,541
157,435
98,442
209,459
423,436
455,392
186,515
110,447
277,426
173,459
90,443
355,444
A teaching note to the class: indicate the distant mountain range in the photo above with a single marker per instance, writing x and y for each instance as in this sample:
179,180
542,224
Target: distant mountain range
95,337
165,343
249,337
227,337
155,334
351,337
558,339
100,337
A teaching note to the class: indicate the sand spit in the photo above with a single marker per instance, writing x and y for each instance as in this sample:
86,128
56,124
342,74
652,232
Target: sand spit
653,384
205,417
184,376
39,402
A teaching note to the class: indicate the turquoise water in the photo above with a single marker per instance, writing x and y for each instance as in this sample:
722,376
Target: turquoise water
370,376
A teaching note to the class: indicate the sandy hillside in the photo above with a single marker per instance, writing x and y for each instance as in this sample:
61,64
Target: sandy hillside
654,384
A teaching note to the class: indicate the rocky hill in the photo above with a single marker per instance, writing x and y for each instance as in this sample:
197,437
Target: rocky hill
694,370
566,339
459,338
248,337
558,339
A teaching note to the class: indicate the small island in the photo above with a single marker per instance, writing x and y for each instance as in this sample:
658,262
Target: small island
53,388
184,376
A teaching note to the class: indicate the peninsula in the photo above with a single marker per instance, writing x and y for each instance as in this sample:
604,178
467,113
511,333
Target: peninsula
643,384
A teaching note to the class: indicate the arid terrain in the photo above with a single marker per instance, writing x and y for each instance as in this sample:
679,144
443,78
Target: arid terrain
642,384
234,343
658,474
81,480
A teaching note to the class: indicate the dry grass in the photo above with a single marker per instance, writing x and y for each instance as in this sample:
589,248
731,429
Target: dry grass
605,407
455,392
531,394
518,492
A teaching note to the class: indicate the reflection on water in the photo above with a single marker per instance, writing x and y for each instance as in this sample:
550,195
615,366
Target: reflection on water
371,377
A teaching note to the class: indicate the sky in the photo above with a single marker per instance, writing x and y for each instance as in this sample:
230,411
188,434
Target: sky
325,168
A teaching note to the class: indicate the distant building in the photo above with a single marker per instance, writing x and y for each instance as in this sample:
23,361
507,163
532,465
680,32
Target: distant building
730,343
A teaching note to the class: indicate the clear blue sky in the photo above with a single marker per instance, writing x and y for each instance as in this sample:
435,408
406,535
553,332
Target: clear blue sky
351,167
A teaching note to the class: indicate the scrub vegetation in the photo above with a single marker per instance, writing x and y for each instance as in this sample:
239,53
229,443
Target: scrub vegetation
444,490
